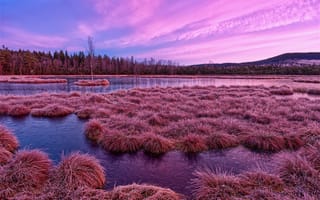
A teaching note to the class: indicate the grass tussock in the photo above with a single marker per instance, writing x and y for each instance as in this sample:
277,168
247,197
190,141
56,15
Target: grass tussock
78,170
221,141
94,130
27,172
215,185
29,80
264,142
5,156
192,144
174,113
297,172
120,143
261,180
8,140
18,110
97,82
314,91
54,110
155,144
143,192
282,91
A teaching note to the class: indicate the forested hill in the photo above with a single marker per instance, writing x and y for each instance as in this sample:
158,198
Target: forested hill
24,62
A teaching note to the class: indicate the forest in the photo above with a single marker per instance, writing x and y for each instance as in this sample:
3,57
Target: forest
25,62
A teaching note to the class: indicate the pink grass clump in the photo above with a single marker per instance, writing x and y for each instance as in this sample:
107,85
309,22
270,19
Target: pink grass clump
261,180
4,108
80,170
155,144
97,82
19,110
314,91
8,140
293,141
221,141
297,172
143,192
27,172
5,156
30,80
282,91
120,143
93,130
215,185
85,113
54,110
312,153
264,142
192,144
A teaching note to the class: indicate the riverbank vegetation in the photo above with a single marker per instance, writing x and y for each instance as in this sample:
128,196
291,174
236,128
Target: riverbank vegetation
189,119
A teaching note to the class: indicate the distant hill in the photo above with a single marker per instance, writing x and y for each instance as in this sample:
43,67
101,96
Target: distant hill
283,59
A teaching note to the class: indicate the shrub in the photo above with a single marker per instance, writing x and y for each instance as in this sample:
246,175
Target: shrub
221,141
18,110
94,130
78,170
155,144
192,144
8,140
264,142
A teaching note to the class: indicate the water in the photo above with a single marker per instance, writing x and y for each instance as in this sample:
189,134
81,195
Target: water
129,82
173,170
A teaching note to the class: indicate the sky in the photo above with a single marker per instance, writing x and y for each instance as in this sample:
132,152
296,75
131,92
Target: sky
184,31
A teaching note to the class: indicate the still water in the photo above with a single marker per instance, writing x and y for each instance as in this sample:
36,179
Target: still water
173,170
128,82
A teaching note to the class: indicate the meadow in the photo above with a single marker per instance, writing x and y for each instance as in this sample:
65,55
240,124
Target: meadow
187,119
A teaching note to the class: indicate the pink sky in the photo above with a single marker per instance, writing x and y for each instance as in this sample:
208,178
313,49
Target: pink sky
186,31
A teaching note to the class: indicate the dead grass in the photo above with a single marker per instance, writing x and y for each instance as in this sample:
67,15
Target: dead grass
8,140
143,192
120,143
297,172
192,144
27,172
5,156
54,110
210,185
96,82
29,80
94,130
221,141
264,142
236,112
155,144
78,170
18,110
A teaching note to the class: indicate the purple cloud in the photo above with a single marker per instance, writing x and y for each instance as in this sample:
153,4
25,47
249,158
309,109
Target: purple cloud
191,31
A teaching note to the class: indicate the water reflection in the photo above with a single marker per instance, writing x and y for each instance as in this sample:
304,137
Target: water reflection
174,170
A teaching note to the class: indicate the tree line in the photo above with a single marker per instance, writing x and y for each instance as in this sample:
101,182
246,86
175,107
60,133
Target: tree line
25,62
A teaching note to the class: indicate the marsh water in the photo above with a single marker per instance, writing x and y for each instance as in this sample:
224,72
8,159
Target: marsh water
129,82
174,170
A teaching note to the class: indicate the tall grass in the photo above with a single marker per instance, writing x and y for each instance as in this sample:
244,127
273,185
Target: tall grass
8,140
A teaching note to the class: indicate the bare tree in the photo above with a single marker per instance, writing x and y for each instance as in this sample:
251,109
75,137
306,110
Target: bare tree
91,53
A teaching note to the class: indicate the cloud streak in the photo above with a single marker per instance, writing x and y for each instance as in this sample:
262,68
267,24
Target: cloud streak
191,31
